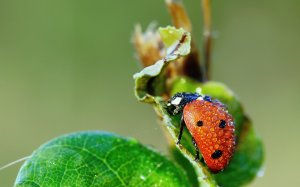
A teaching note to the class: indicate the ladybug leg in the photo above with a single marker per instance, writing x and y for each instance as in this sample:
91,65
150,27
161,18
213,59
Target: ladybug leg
196,148
182,124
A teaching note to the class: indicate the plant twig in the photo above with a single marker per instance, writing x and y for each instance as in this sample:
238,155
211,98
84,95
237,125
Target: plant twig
14,162
179,15
206,7
189,66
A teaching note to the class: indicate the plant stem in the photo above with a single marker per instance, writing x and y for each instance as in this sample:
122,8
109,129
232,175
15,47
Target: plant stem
190,66
206,7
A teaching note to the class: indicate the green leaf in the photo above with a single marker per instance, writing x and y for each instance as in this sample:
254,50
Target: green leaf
150,86
177,41
249,155
248,158
151,80
98,159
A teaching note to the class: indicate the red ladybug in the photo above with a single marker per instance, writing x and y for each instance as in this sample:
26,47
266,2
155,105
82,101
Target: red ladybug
210,125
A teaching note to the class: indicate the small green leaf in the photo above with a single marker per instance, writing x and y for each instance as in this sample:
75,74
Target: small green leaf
150,81
177,41
170,35
98,159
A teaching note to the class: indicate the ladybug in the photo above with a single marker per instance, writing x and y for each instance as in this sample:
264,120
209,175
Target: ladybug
211,126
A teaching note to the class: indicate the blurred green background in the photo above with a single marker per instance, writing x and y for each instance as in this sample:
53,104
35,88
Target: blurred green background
67,66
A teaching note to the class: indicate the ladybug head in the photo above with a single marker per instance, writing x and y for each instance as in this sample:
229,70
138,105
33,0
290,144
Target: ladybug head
176,104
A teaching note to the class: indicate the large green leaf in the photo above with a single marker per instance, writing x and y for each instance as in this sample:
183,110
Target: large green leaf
98,159
248,157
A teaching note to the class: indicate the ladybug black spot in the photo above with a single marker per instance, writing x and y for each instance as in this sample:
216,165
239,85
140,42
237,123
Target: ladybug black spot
217,154
200,123
222,124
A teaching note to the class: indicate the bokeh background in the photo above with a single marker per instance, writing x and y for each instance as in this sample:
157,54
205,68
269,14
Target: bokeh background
67,66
